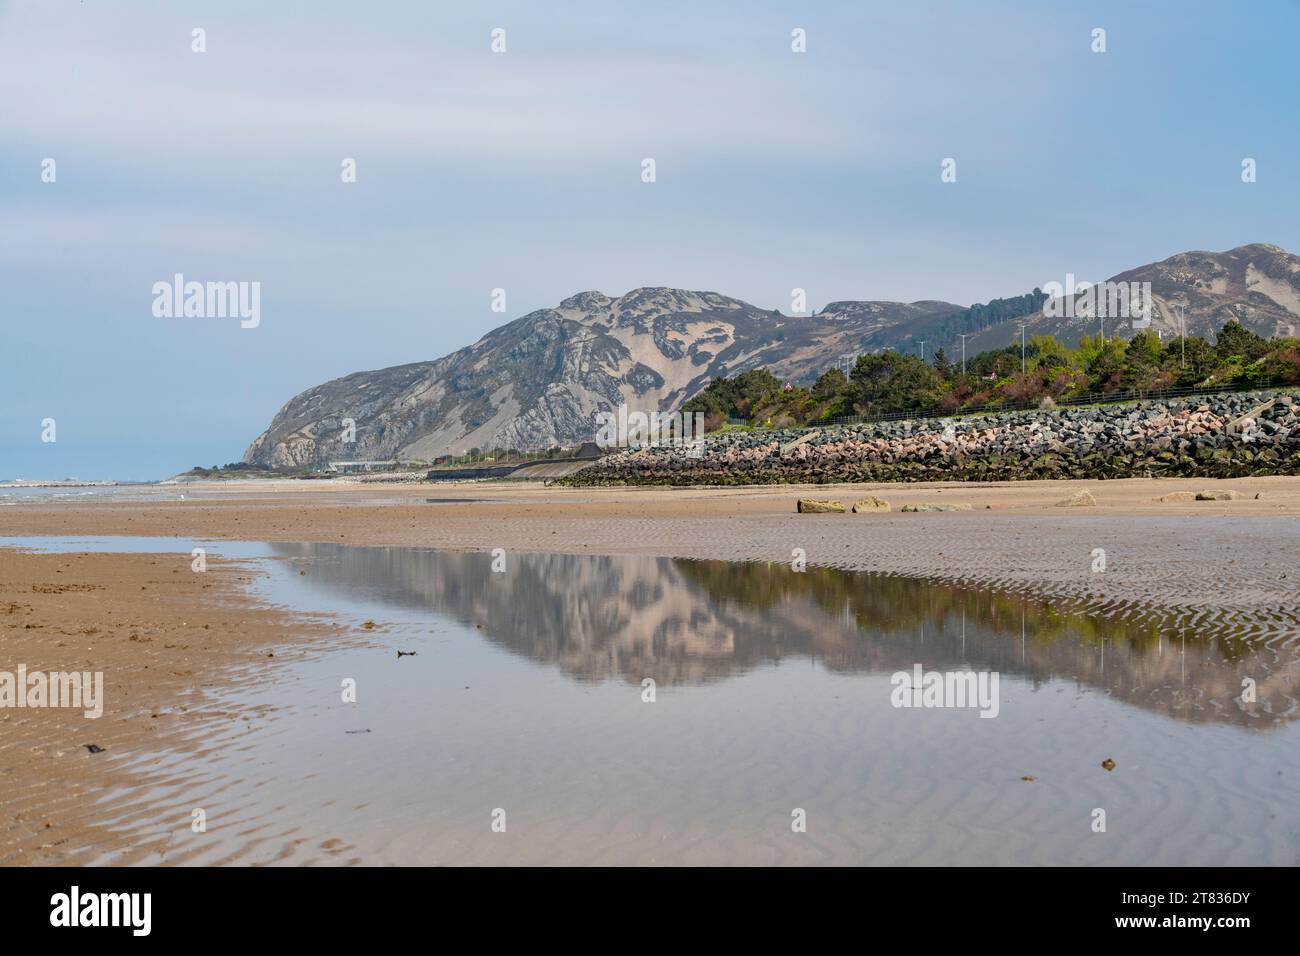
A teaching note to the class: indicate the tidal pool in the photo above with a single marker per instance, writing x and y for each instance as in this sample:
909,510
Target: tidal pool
526,705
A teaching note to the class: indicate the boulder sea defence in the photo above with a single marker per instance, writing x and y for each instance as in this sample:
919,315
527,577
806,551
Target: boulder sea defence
1208,436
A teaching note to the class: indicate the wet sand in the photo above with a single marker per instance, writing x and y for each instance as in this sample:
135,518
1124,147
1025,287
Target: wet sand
171,642
1205,558
164,637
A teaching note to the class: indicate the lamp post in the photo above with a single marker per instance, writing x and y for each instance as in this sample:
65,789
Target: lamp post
1182,335
963,352
1022,351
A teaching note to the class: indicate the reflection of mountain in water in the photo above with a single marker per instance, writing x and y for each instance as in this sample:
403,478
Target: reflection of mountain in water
690,622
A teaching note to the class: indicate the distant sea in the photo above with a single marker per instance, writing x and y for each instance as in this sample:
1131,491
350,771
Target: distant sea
16,491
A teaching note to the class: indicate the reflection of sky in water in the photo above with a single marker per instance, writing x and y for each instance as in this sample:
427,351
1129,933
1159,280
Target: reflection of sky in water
773,692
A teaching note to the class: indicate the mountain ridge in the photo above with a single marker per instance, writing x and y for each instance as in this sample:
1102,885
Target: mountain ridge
540,379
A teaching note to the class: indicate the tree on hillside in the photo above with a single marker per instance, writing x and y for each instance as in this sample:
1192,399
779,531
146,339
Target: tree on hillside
888,382
743,397
830,383
891,382
1142,363
1049,352
1192,361
1236,339
1106,366
941,364
1144,347
1284,365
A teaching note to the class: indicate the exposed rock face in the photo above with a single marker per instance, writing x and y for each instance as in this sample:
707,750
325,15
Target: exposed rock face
1159,438
541,379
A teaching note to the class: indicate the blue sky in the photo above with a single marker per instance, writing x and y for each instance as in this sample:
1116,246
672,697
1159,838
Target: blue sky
521,171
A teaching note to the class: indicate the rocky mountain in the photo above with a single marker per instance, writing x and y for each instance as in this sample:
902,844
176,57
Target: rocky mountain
1258,285
541,379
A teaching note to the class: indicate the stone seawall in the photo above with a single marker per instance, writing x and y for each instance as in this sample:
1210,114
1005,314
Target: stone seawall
1221,436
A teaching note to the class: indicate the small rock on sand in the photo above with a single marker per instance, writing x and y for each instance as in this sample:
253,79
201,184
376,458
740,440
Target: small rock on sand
1080,499
1178,496
869,504
815,506
1219,496
920,509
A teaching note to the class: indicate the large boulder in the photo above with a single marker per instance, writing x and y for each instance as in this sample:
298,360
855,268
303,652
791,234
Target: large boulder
1219,496
1080,499
869,504
814,506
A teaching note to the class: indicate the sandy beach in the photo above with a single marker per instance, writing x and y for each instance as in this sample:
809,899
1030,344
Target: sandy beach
1221,556
164,638
173,643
